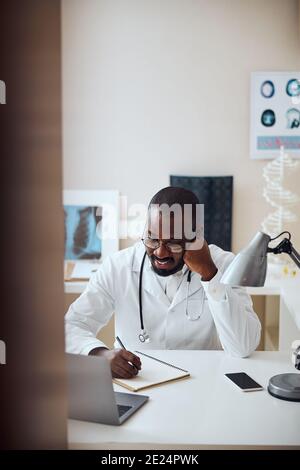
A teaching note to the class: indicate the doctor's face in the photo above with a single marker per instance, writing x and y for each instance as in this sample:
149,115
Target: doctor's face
164,249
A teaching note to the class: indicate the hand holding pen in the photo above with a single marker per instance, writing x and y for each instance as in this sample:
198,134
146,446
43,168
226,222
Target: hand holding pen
124,364
133,360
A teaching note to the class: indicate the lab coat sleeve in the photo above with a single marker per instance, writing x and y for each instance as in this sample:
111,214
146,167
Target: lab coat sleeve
90,312
236,322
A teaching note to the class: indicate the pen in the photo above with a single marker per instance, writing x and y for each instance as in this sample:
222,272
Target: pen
123,347
120,342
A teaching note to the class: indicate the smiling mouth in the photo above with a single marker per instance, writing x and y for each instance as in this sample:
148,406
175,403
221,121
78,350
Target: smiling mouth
162,263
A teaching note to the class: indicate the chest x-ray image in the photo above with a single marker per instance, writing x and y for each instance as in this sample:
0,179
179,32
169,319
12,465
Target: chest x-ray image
81,234
293,118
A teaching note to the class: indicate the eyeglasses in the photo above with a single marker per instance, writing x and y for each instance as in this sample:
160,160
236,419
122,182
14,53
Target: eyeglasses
173,247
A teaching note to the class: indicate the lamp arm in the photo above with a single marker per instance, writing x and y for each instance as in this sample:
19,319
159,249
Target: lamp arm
295,257
286,246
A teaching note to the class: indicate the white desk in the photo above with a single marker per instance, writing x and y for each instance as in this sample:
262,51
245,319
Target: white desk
289,310
204,411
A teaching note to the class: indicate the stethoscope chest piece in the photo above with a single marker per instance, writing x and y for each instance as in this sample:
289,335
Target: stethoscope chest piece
192,318
144,337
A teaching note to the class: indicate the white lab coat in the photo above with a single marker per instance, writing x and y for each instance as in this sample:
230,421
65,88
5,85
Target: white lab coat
226,321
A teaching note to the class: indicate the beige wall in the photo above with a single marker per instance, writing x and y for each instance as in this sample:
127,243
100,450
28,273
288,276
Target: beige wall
157,87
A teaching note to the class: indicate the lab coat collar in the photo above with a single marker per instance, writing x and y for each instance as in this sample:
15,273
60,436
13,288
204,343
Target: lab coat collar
150,282
139,252
181,293
152,285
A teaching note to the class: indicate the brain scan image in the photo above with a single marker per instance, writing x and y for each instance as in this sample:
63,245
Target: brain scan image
267,89
268,118
293,87
293,118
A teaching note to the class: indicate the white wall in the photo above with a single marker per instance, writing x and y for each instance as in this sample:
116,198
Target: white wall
159,87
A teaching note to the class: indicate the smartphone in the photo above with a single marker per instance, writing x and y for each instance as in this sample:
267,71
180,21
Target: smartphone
244,381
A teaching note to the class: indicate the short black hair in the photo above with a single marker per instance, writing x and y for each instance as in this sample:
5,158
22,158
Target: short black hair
174,195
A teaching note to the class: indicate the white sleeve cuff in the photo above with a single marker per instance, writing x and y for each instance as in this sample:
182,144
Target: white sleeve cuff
96,344
214,289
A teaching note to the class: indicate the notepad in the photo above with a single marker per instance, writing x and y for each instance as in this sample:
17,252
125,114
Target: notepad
154,372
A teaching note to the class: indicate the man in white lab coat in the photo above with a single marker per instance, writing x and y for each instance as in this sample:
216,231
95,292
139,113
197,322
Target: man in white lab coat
183,303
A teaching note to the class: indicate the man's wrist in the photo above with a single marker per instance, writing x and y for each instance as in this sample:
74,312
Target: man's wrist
208,274
98,351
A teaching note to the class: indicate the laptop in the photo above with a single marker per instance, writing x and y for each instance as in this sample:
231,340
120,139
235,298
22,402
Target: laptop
91,396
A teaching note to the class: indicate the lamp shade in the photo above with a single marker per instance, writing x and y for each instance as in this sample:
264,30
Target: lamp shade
249,267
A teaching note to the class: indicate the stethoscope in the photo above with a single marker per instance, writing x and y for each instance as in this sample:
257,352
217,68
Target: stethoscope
144,336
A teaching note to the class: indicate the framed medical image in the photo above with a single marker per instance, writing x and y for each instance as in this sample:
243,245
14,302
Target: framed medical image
275,114
91,221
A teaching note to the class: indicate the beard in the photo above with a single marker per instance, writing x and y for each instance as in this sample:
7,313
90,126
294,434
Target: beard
166,272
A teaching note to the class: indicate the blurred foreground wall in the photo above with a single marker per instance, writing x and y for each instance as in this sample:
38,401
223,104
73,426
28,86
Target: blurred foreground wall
32,383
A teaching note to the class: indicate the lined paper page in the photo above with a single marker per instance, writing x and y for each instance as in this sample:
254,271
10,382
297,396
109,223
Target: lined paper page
152,373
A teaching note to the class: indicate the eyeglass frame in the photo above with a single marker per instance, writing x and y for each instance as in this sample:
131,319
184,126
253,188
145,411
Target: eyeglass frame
159,242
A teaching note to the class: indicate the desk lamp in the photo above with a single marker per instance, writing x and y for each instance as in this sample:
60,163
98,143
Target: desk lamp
249,269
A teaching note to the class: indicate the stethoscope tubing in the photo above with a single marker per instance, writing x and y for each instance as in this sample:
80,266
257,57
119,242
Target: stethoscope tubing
140,291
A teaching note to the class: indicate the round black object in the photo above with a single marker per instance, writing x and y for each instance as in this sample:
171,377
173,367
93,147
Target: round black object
285,387
268,118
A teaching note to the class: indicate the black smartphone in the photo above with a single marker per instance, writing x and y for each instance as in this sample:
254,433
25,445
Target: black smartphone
244,381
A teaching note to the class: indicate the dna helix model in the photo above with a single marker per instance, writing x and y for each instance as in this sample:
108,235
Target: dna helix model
281,199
